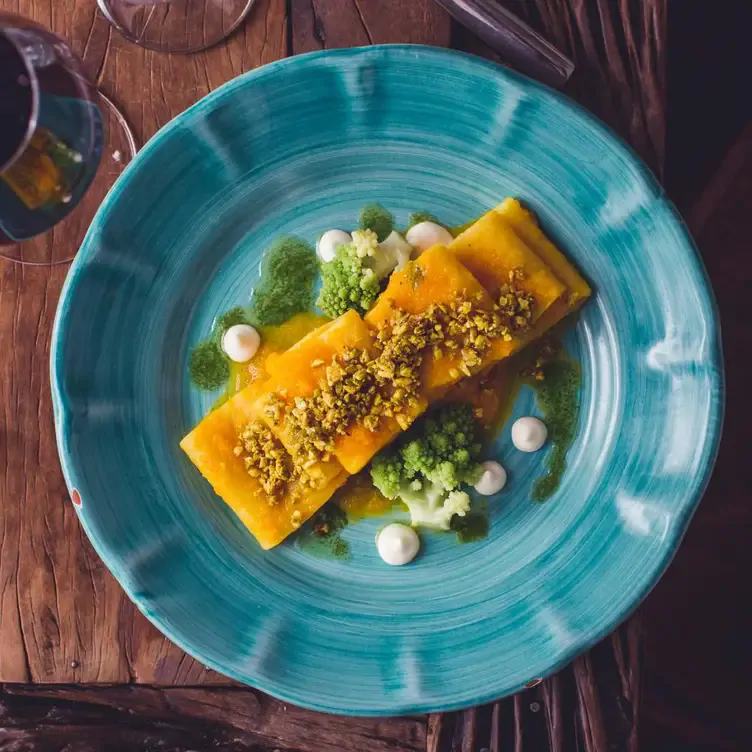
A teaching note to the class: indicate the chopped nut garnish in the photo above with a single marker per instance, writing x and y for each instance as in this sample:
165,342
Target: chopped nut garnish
265,459
364,387
515,305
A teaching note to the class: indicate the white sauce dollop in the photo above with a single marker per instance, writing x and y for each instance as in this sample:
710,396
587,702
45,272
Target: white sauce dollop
398,544
329,242
492,479
425,235
529,434
397,249
241,342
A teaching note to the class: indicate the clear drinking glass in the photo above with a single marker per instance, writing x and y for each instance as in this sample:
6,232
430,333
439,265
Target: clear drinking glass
178,26
62,145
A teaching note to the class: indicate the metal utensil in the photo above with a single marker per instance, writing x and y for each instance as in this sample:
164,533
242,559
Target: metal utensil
512,38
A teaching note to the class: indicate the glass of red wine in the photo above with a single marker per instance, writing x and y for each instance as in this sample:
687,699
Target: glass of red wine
62,145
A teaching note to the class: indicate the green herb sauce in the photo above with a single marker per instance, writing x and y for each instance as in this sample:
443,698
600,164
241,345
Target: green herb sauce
288,272
322,536
470,528
209,367
558,399
375,217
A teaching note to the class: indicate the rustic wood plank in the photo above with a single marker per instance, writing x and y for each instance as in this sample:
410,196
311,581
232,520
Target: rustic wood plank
84,719
328,24
434,731
64,618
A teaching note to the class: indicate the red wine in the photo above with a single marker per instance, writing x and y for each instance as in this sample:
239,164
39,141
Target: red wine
16,102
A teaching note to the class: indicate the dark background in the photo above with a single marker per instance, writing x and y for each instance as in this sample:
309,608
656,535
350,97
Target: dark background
697,676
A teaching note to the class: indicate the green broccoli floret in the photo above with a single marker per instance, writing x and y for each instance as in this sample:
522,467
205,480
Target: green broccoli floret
348,281
426,468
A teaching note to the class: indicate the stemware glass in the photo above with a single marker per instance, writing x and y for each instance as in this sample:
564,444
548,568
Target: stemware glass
177,26
62,145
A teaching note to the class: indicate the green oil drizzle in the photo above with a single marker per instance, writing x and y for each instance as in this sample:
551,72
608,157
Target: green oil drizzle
558,400
375,217
208,366
470,528
322,536
288,272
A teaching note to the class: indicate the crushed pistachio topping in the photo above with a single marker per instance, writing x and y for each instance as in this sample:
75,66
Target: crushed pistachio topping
345,395
265,459
358,386
515,305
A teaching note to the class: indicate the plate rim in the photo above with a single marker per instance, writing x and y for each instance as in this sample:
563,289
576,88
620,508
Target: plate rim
715,424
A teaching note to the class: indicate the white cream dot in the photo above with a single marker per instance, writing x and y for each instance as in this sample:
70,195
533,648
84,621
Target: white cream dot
529,434
398,544
492,479
425,235
329,242
241,342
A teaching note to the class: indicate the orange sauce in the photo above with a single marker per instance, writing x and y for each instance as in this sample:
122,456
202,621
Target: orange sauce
492,394
359,499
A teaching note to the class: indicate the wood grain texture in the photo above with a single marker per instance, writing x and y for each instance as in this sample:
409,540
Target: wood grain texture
328,24
128,718
63,617
590,706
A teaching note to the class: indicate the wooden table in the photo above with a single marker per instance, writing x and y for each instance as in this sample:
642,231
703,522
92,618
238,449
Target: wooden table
79,665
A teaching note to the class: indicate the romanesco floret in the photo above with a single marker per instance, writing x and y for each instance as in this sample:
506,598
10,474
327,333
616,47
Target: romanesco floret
346,281
353,278
446,449
426,468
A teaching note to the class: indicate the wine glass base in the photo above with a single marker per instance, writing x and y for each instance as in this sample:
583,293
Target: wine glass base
175,26
61,243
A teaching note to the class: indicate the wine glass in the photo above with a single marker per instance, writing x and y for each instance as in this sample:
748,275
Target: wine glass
178,26
62,145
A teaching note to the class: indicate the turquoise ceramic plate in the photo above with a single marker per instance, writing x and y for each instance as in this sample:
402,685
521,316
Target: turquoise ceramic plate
298,147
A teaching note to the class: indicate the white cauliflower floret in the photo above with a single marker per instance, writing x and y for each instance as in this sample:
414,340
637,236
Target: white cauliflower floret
366,242
433,507
390,255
